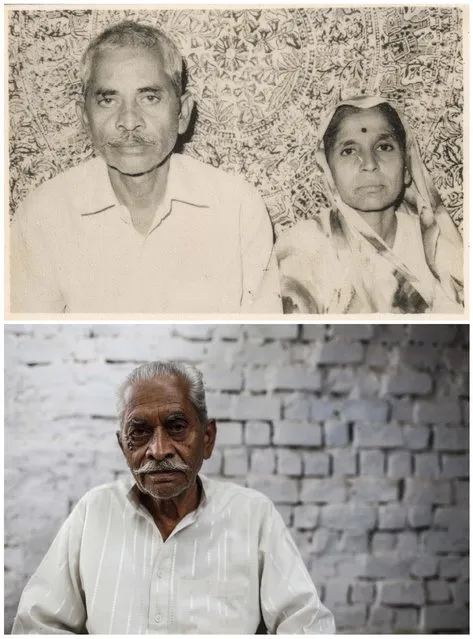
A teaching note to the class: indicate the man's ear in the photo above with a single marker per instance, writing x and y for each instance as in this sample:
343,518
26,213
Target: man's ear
209,438
82,114
187,104
119,439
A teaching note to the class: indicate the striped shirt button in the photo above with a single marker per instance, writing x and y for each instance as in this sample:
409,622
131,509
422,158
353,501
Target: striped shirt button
158,618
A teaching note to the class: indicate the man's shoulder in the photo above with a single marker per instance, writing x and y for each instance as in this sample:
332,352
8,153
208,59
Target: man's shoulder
229,491
111,492
64,185
71,176
189,162
211,177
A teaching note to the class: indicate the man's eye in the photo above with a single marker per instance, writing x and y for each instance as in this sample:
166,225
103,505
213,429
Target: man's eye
105,101
150,98
176,429
138,433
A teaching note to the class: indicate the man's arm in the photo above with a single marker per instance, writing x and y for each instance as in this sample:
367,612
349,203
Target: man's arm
261,292
34,287
53,601
289,601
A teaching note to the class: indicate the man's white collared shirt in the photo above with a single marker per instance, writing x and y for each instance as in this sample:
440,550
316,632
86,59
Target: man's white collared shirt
74,248
225,565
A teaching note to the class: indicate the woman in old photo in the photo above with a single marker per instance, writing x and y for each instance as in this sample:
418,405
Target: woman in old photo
387,245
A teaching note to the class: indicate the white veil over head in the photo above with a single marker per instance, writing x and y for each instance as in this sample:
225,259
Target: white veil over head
338,253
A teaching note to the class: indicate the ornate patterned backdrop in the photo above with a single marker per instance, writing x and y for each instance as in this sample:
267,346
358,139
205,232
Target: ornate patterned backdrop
262,79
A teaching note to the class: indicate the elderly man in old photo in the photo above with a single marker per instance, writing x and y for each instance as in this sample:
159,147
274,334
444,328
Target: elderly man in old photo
172,551
141,229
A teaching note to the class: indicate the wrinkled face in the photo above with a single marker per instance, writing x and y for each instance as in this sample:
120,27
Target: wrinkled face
131,110
367,162
162,438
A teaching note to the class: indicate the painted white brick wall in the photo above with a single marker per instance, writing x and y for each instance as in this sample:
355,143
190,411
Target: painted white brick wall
359,434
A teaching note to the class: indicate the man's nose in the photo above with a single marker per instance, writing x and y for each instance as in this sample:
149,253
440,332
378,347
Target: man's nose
129,117
368,161
160,446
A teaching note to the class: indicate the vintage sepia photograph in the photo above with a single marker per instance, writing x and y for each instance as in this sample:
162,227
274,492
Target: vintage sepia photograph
248,479
236,162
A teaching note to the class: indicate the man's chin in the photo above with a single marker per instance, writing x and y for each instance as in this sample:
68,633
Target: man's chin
164,493
160,490
134,165
132,171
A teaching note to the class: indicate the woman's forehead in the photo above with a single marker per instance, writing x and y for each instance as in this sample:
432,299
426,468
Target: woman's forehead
367,121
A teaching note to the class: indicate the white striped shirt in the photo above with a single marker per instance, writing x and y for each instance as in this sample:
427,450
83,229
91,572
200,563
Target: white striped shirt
225,567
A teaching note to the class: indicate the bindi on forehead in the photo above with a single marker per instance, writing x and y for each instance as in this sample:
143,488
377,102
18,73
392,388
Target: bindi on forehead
364,129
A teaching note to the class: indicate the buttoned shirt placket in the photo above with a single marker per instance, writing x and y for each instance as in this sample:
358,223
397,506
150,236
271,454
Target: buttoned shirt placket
138,264
162,595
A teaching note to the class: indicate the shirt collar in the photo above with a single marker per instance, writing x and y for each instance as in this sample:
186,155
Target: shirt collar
96,195
183,185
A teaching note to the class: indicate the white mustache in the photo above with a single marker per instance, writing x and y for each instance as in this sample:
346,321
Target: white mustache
161,467
133,138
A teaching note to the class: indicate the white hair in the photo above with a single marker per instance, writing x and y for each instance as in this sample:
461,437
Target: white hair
133,34
149,372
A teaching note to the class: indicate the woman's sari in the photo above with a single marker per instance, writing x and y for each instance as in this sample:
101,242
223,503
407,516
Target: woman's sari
337,264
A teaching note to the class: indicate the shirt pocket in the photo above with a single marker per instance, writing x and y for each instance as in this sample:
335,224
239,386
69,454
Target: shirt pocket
217,606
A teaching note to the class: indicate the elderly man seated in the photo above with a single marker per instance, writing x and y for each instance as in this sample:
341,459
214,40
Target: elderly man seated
171,551
141,228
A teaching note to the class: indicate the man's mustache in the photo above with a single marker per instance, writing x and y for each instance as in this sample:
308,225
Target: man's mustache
164,466
132,138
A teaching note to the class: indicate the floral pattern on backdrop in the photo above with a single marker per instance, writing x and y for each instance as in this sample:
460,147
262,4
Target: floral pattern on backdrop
262,79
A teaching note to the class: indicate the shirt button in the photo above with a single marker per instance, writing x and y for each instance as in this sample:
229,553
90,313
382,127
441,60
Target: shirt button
158,618
160,574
